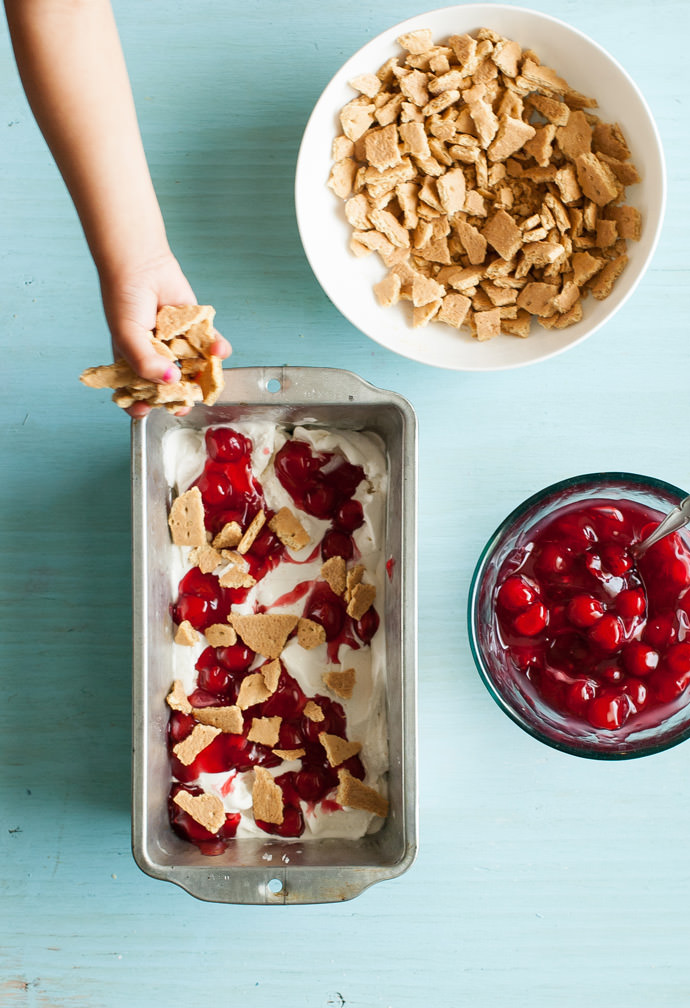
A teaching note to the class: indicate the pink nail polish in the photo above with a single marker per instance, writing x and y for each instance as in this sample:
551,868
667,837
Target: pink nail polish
170,374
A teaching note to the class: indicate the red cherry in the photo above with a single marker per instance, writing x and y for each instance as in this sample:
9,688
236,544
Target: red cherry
226,445
366,627
319,500
532,621
609,710
576,529
637,691
611,672
335,543
584,610
660,631
193,609
616,560
630,603
607,633
515,594
677,659
611,523
236,657
349,516
639,659
553,559
578,695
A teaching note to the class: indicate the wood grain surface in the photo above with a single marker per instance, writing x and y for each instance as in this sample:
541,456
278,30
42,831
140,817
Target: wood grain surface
542,880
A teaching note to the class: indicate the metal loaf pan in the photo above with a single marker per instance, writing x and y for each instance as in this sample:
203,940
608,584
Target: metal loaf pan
317,871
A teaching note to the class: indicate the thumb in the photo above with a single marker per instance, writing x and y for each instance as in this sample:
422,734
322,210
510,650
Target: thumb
135,344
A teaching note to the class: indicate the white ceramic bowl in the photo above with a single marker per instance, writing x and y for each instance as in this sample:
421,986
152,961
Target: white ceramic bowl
325,233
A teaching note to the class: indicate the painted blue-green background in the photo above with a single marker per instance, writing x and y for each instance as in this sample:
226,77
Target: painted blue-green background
542,880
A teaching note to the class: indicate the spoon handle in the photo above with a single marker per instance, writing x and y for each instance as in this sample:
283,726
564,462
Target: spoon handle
674,520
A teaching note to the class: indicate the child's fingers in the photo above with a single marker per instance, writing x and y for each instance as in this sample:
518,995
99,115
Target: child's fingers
221,347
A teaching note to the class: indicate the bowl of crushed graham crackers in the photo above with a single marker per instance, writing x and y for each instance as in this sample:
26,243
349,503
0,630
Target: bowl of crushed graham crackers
480,187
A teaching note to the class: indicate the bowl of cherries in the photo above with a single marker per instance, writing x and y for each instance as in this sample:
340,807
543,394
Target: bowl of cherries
581,641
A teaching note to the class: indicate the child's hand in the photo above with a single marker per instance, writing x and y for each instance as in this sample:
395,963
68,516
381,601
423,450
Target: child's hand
131,300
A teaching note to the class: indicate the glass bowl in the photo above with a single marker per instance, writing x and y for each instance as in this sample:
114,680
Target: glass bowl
658,726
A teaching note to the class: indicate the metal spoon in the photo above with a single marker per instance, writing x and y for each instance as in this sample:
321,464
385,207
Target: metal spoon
675,519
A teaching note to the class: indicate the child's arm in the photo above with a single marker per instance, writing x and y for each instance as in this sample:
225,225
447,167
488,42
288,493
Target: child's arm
71,64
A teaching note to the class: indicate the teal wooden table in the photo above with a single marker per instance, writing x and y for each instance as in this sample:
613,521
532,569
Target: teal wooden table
542,879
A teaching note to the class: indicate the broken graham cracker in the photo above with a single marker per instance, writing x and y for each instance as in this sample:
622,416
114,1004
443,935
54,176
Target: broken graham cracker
186,519
466,156
189,748
201,381
352,793
267,797
338,749
289,529
289,754
259,686
186,635
251,532
220,635
206,809
228,720
361,599
236,574
310,633
177,698
228,537
265,633
265,730
313,711
341,682
333,571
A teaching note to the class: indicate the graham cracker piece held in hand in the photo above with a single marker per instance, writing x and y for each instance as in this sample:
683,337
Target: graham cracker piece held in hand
184,334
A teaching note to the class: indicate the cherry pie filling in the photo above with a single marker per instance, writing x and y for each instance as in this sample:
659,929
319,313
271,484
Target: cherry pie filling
322,484
602,636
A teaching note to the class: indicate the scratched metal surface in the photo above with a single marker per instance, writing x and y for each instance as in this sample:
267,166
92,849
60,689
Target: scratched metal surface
541,879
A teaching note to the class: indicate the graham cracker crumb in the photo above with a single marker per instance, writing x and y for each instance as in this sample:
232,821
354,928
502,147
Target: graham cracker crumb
189,748
228,537
253,690
220,635
361,599
313,711
333,573
206,809
265,633
289,529
265,730
352,793
186,519
271,673
354,577
341,682
207,559
237,575
289,754
267,797
227,719
310,634
338,749
177,698
186,635
251,532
